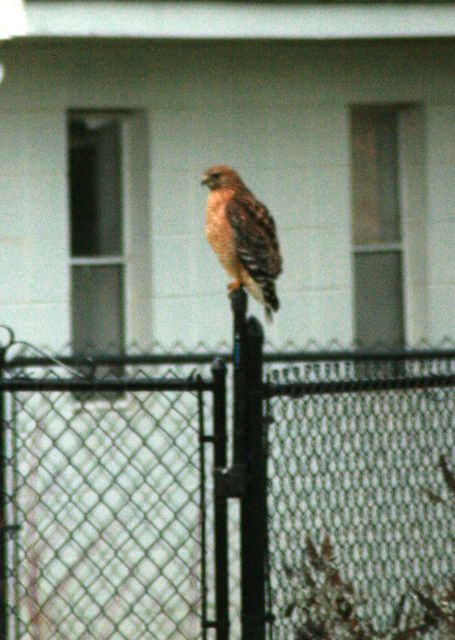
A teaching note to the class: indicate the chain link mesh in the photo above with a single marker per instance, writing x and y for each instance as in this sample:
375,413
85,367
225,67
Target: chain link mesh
106,490
358,472
107,487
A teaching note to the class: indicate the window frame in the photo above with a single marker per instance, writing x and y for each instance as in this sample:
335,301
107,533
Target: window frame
398,247
121,260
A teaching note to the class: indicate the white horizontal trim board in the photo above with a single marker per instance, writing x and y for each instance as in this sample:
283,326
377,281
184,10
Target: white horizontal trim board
377,247
97,261
177,19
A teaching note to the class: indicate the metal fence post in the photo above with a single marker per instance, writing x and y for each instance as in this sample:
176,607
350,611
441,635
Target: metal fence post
239,308
3,511
219,371
250,466
254,502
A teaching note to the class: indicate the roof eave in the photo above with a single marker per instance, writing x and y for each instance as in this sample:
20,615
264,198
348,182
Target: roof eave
175,19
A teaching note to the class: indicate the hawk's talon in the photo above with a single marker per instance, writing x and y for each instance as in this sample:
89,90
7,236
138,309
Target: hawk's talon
233,286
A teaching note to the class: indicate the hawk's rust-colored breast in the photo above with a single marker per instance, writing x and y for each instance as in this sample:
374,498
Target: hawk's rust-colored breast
219,230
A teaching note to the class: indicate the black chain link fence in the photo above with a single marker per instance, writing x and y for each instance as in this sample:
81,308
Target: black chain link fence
106,490
360,514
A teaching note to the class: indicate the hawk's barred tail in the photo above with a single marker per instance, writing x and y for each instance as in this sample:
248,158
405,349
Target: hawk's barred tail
271,301
268,315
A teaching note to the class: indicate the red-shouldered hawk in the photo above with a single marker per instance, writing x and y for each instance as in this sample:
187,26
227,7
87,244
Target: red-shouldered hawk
242,233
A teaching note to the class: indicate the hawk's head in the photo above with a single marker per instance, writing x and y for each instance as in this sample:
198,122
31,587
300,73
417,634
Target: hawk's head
221,176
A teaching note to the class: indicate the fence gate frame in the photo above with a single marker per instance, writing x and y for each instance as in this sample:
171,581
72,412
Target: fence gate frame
217,439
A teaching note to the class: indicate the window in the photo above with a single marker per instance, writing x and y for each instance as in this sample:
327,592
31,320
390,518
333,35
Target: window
97,224
376,227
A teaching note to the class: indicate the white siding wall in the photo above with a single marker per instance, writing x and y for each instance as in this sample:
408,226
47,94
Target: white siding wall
280,114
33,225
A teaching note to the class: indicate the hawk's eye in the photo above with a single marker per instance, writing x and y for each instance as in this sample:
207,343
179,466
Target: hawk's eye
215,176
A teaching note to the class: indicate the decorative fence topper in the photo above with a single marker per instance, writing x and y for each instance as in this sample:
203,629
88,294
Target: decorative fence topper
125,514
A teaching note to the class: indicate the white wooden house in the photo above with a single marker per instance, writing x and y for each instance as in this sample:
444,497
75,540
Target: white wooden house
340,117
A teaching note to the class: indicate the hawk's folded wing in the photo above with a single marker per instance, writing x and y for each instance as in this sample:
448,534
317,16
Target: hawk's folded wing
254,236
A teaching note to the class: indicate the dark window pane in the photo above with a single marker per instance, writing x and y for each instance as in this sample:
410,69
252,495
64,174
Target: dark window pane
95,188
378,299
375,186
97,309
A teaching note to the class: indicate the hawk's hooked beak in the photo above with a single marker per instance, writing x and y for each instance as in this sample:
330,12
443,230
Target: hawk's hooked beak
205,180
